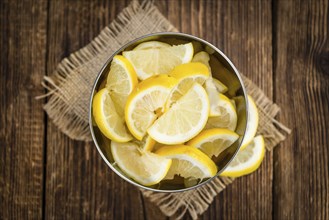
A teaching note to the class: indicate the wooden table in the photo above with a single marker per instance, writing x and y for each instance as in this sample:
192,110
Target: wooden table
281,45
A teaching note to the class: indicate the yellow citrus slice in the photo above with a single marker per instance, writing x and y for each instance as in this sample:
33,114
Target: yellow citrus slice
227,118
159,61
146,103
151,45
188,162
109,122
121,80
220,86
184,120
203,57
144,167
186,74
213,98
247,160
214,141
147,143
252,123
198,71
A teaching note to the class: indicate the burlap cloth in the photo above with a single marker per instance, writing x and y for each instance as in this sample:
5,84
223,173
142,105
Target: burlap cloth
70,85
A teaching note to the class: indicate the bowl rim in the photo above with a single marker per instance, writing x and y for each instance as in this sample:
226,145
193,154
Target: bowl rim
173,34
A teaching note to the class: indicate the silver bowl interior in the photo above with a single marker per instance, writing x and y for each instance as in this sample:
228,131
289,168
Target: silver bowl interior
222,69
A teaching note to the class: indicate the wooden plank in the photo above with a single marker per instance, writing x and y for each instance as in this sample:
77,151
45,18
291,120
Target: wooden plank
22,65
243,31
79,184
302,87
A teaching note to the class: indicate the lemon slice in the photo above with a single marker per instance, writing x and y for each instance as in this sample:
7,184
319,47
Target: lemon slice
187,74
213,141
109,122
146,103
188,162
147,143
157,61
203,57
213,98
144,167
198,71
228,117
184,120
151,45
121,80
157,146
247,160
220,86
252,123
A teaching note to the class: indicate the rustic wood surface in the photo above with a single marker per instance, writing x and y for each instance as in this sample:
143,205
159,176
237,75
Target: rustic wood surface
281,45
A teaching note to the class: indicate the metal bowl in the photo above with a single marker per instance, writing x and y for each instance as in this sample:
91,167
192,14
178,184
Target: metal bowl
222,69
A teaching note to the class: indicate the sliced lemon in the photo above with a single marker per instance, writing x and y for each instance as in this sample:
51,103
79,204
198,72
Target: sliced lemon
151,45
157,146
121,80
228,117
184,120
194,70
146,103
187,74
109,122
213,98
202,57
147,143
247,160
252,123
214,141
157,61
219,86
188,162
144,167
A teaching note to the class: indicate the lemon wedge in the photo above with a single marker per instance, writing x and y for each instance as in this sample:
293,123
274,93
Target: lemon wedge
146,103
247,160
159,61
146,144
186,74
121,80
144,167
151,45
188,162
214,141
221,87
203,57
198,71
213,98
228,116
184,120
252,123
109,122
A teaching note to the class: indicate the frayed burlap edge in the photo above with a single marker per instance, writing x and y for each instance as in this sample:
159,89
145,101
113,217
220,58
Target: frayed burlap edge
195,202
70,85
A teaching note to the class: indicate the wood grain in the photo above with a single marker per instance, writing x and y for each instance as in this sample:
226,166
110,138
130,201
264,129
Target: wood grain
242,30
302,88
22,65
281,45
79,185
